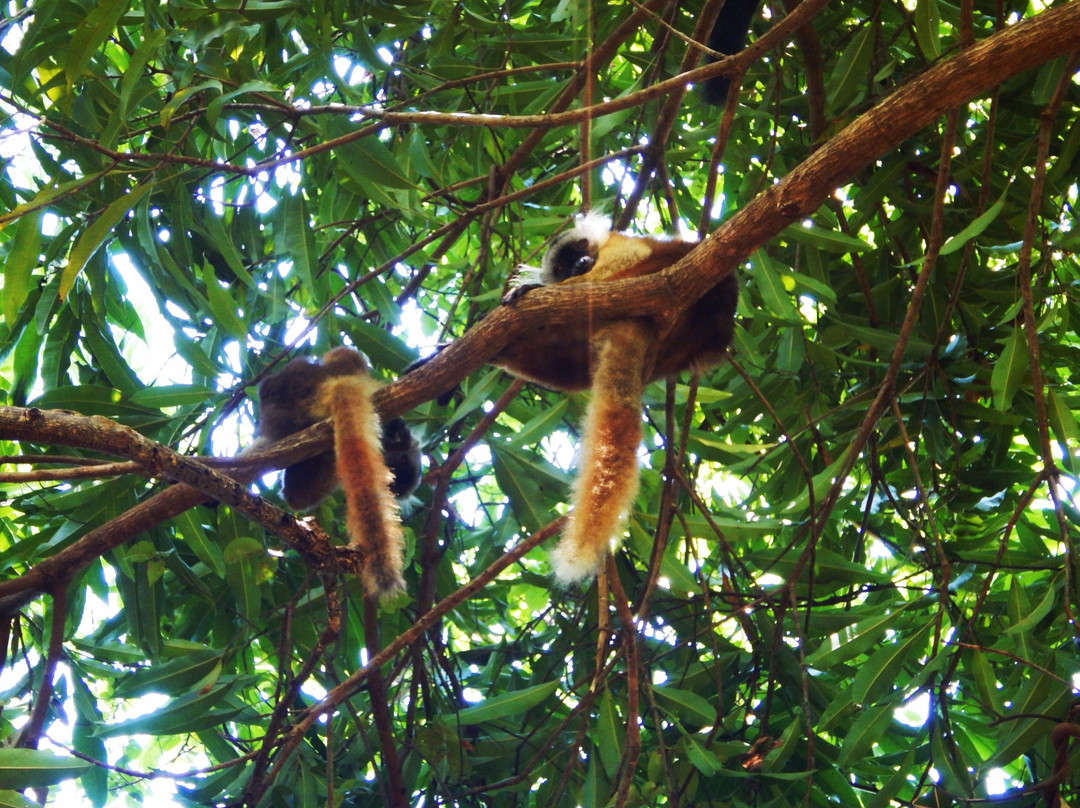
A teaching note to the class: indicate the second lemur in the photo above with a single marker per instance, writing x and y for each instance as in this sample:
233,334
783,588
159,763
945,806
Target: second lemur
617,359
373,465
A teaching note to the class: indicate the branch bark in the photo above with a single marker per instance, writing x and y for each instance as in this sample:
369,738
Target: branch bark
897,117
201,483
943,86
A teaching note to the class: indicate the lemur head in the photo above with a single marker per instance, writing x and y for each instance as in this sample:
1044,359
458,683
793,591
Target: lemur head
342,361
574,252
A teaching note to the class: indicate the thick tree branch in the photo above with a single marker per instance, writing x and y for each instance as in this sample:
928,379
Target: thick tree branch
899,116
102,434
893,120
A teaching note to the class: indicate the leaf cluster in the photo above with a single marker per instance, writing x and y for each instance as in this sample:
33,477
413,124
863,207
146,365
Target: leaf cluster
848,576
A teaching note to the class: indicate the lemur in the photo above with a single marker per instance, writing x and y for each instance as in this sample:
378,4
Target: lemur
616,359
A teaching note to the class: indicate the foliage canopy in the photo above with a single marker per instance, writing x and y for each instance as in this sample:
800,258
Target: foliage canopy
848,577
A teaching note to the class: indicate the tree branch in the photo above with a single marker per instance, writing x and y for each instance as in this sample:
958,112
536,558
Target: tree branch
102,434
894,119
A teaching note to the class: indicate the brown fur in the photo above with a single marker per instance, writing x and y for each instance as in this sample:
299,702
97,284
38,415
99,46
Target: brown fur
560,357
371,513
608,480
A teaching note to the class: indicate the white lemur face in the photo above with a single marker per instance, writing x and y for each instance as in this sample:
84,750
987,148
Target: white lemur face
575,251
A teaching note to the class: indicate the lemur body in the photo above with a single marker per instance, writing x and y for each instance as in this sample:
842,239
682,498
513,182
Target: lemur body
616,359
561,358
305,392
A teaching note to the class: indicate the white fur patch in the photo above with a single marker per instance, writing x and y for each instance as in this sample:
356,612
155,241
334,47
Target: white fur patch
527,275
593,226
573,564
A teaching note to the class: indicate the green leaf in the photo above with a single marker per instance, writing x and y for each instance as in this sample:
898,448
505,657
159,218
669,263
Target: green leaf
849,77
189,713
183,96
246,567
420,156
215,107
859,639
95,780
1063,421
297,241
985,681
21,261
543,424
887,795
223,243
96,233
13,799
880,673
775,293
143,608
222,305
1041,697
91,399
609,736
34,768
384,349
91,34
377,164
822,482
830,568
513,472
672,566
1010,370
592,794
928,28
478,393
269,10
885,341
243,548
818,290
974,228
170,678
147,49
686,705
824,239
703,761
172,395
106,355
195,537
505,705
1032,617
869,726
46,195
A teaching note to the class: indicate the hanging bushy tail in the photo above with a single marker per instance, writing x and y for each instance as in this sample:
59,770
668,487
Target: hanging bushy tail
371,515
608,479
